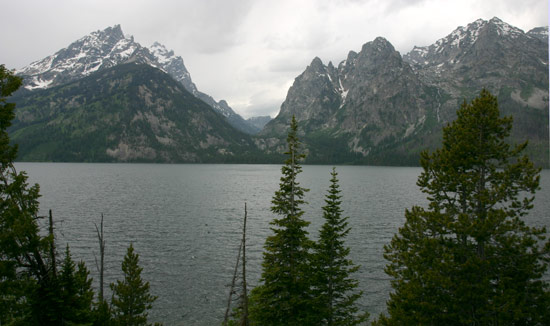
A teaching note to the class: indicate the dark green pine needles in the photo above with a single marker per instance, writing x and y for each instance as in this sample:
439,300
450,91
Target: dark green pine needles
468,258
304,283
284,297
335,290
131,298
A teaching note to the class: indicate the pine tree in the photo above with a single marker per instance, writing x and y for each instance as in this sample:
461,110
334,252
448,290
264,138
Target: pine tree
24,270
75,293
131,298
284,295
335,289
468,258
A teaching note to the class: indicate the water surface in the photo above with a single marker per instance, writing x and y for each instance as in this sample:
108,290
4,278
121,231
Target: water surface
185,222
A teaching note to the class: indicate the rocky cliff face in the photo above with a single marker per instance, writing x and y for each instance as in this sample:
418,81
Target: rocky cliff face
372,98
380,108
492,54
110,47
487,54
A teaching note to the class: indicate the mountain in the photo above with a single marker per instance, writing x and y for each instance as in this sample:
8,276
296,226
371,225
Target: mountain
127,113
354,112
378,107
259,122
105,49
492,54
540,32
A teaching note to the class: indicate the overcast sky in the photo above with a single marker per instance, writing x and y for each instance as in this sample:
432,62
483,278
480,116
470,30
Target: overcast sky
248,52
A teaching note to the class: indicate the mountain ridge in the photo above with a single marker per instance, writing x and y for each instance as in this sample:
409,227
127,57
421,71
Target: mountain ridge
106,48
384,108
375,107
127,113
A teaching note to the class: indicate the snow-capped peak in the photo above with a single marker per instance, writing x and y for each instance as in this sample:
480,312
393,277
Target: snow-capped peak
97,50
460,39
104,49
505,28
161,53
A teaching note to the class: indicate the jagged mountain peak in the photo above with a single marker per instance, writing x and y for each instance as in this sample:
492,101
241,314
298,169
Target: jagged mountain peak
504,29
540,33
316,65
110,47
448,49
114,31
317,62
379,44
98,50
160,49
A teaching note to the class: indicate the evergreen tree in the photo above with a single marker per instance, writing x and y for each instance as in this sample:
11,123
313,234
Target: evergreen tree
335,295
24,272
131,298
75,292
101,314
284,295
468,258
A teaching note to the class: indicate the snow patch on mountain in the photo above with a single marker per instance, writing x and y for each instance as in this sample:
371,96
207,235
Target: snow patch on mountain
461,38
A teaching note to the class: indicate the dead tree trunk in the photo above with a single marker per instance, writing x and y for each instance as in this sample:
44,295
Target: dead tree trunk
52,246
244,317
243,304
232,289
100,265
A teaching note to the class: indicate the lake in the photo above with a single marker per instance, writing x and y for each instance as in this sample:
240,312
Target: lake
185,223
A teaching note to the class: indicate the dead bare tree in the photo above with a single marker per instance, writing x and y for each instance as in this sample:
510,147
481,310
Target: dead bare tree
52,246
243,298
100,265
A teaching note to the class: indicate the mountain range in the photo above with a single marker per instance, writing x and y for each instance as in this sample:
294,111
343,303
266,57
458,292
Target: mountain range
378,107
107,98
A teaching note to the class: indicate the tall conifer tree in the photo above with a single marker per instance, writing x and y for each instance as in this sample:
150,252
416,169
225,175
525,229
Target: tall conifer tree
75,293
335,289
284,295
468,258
25,272
131,298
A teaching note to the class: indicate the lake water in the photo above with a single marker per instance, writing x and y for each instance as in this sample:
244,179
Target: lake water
185,223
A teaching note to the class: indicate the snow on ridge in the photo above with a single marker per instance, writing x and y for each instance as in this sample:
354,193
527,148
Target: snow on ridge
98,50
162,54
505,28
461,33
38,83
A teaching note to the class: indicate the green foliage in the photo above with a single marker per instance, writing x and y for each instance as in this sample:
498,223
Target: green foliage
75,292
131,298
468,258
31,290
335,289
284,296
130,104
23,270
102,314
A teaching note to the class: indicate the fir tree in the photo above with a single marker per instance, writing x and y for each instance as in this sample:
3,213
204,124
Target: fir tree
24,270
468,258
131,298
284,295
335,289
75,290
